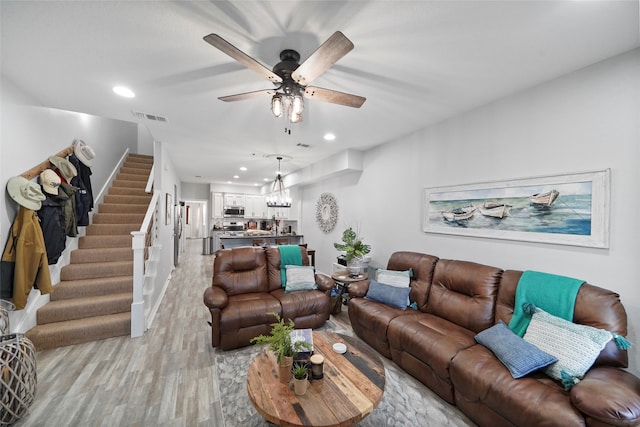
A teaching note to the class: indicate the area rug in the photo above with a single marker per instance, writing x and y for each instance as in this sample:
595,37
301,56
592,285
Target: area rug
406,402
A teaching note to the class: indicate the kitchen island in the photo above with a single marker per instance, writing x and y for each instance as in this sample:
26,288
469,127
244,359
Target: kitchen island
234,241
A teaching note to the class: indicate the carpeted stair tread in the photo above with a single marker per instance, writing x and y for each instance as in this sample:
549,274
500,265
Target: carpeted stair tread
129,170
121,183
111,229
80,308
96,269
140,157
134,200
118,218
125,191
96,241
69,289
122,208
131,177
60,334
83,256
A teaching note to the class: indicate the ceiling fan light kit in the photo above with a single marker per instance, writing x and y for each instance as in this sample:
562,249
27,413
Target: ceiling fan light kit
292,78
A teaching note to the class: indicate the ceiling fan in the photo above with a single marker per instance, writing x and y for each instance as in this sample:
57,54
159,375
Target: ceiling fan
290,78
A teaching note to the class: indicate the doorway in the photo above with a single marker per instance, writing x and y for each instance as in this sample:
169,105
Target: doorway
195,219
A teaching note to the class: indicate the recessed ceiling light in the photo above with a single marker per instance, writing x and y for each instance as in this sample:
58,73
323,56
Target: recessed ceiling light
236,176
255,184
124,91
266,179
329,137
243,168
229,182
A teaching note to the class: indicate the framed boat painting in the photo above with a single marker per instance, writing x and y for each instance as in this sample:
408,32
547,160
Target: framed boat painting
571,209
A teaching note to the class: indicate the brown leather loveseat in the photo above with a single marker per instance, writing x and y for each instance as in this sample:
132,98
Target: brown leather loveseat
246,286
435,343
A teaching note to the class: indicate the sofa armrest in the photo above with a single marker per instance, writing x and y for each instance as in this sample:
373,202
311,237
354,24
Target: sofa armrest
609,395
215,297
325,282
358,289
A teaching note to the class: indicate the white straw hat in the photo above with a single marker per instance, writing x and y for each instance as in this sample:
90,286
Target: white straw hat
26,193
65,167
84,153
50,181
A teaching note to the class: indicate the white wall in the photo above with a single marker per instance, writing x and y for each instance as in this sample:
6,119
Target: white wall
587,120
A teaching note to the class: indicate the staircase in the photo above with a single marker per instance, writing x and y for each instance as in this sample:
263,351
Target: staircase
93,299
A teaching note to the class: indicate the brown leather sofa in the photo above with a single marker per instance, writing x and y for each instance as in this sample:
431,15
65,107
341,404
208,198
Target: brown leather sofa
435,344
246,286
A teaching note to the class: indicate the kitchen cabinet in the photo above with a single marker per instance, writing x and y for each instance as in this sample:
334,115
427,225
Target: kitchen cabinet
256,207
231,199
218,205
279,213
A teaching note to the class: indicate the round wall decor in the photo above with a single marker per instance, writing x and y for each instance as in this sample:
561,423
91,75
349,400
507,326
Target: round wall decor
327,212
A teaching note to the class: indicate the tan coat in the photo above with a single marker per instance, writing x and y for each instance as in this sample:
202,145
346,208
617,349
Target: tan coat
25,247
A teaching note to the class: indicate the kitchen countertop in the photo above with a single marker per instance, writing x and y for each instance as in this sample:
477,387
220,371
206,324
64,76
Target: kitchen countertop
258,236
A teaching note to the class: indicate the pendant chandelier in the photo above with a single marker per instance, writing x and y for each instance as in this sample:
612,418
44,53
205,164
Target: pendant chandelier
278,198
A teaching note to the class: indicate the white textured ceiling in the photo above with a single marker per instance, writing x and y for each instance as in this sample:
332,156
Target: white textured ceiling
416,62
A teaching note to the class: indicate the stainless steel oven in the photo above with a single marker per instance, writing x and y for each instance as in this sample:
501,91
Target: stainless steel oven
233,225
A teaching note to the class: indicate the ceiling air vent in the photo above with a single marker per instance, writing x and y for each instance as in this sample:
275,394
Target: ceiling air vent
300,144
147,116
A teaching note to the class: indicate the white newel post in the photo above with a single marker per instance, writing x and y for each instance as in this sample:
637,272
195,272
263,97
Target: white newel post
138,322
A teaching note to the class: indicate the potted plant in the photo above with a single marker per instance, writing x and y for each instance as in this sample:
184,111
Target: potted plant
354,248
300,376
279,341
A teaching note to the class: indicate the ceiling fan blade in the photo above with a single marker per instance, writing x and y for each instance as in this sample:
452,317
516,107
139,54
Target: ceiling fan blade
333,96
247,95
336,46
226,47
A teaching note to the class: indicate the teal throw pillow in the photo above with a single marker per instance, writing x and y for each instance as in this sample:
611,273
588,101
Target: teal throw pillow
519,356
386,294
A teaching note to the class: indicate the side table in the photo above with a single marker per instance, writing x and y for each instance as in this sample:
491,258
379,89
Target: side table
343,279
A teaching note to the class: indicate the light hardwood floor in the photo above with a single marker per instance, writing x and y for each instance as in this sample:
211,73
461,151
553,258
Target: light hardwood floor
165,378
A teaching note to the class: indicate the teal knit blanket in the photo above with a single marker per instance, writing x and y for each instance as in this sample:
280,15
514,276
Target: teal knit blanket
554,294
289,255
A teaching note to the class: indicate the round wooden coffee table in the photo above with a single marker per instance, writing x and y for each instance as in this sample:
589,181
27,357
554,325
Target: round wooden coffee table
352,386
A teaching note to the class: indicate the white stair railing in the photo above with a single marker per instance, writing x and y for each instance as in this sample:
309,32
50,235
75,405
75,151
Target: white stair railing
140,243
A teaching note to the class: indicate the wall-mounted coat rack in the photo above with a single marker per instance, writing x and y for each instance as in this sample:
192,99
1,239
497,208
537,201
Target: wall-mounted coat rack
37,170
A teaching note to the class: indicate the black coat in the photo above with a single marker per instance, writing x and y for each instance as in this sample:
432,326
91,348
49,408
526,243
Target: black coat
51,217
84,195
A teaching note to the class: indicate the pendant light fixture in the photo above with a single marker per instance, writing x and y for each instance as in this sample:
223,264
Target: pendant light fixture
278,198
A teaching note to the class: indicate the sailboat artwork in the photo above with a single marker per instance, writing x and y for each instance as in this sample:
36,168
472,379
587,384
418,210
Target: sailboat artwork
570,209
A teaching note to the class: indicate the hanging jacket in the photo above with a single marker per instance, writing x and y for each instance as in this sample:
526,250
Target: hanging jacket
24,260
84,195
52,224
69,209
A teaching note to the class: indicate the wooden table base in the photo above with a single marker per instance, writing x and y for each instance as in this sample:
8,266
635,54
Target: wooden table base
352,386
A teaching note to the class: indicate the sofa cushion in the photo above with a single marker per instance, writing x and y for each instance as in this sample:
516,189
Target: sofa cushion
575,346
535,400
464,293
518,355
300,278
393,296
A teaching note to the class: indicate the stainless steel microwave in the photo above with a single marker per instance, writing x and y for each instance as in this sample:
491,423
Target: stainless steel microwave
233,211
